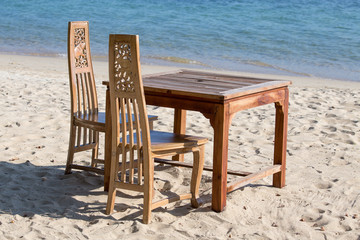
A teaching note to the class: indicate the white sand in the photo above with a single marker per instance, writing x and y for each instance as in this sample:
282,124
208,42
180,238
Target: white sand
37,201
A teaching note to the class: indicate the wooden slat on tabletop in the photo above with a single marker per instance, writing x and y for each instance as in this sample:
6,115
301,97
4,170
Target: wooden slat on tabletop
254,89
222,79
178,80
224,76
188,86
199,83
192,86
197,79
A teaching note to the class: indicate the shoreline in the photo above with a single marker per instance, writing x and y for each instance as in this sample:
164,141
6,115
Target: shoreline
179,63
59,63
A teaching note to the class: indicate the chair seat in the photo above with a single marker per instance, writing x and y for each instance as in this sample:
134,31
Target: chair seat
97,120
166,140
162,141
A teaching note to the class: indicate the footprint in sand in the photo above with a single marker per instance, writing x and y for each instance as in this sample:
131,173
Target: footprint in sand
331,128
324,185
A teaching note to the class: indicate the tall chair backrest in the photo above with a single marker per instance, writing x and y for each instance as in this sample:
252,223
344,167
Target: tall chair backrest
127,102
84,102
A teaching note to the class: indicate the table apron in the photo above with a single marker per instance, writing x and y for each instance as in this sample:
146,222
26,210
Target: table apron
258,99
182,103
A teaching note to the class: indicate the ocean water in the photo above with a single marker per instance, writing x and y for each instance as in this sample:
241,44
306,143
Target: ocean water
290,37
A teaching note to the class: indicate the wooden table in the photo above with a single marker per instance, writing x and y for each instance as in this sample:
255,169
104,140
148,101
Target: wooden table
218,97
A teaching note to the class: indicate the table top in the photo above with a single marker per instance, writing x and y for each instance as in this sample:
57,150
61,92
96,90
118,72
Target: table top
207,85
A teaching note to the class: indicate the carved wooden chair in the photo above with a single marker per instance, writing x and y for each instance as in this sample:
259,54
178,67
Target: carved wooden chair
86,120
135,140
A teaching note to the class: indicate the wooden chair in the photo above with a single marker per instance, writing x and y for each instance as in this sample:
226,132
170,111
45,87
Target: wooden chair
135,140
86,120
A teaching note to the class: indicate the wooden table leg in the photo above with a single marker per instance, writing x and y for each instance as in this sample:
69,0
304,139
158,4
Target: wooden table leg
179,127
281,123
221,123
107,142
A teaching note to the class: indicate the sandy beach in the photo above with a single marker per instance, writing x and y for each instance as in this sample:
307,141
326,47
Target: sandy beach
321,199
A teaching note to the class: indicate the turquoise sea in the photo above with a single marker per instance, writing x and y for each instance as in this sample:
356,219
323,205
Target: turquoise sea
290,37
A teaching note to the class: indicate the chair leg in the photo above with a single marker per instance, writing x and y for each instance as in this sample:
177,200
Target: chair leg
147,204
148,190
199,157
111,198
71,150
112,189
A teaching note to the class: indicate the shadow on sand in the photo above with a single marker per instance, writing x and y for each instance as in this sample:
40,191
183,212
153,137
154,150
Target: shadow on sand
29,190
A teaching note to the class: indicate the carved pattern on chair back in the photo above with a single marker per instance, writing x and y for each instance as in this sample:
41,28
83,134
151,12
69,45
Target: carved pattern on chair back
123,74
80,52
